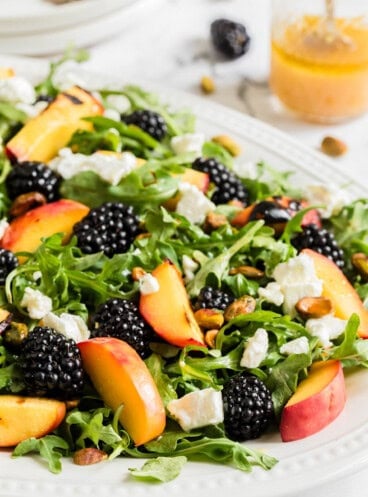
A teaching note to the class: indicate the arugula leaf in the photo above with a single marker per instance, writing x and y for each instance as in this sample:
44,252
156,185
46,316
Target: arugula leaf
197,446
51,448
217,151
218,266
155,364
162,469
284,377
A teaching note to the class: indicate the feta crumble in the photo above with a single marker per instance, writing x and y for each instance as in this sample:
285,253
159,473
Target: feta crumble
326,328
197,409
297,279
297,346
69,325
119,103
255,349
189,268
246,170
4,225
110,167
189,142
148,284
330,200
36,303
112,114
37,275
272,293
193,204
17,89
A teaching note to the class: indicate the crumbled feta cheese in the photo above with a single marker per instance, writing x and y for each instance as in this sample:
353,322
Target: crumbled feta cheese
255,349
246,170
326,328
69,325
297,279
189,268
112,114
330,200
3,227
197,409
148,284
36,303
120,103
193,204
37,275
110,167
297,346
32,110
17,89
71,73
272,293
189,142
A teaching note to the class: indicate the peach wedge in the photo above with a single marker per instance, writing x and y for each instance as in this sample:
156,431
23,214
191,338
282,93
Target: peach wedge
25,232
25,417
338,289
43,136
317,401
122,378
168,310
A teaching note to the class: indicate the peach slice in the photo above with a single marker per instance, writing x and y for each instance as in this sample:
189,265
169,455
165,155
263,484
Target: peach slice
317,401
122,378
338,289
168,310
42,137
25,417
25,232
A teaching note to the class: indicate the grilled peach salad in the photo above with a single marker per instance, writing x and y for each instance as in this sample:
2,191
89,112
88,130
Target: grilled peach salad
162,297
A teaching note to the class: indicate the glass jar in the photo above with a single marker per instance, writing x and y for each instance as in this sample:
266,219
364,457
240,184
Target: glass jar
319,57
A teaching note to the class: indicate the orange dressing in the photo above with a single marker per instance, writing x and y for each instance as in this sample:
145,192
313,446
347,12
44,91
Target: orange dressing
322,78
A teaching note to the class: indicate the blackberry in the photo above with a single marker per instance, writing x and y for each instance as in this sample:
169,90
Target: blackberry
149,121
248,407
51,364
8,262
213,298
228,185
26,177
230,38
120,318
321,240
110,228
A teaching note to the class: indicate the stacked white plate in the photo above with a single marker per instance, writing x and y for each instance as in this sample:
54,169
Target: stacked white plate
40,27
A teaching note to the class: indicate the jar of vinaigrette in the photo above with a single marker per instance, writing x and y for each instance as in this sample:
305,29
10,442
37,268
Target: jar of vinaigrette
319,57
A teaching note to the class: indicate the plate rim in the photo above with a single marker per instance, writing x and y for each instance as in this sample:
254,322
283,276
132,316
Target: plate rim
354,454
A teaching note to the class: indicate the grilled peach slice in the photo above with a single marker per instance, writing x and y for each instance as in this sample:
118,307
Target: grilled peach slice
25,232
122,378
338,289
25,417
317,401
42,137
168,310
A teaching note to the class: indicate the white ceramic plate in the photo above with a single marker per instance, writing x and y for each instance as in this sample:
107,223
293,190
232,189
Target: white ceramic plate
36,27
339,450
27,16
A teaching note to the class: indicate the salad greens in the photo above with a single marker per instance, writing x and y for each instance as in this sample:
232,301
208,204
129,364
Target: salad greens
77,283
